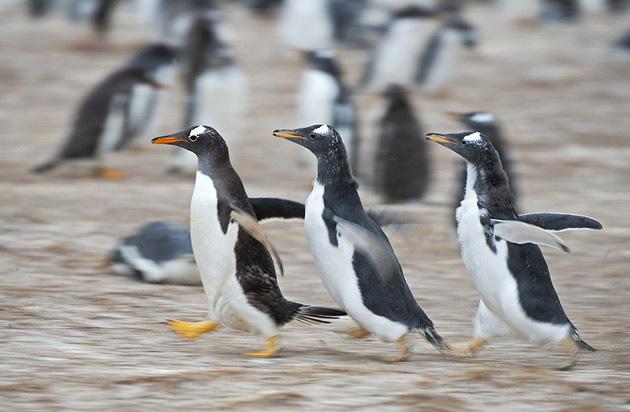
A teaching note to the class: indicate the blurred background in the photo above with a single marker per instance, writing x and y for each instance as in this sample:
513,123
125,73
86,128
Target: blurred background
85,84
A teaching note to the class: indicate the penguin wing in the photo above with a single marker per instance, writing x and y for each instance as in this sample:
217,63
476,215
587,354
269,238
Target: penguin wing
251,226
374,247
270,208
520,232
560,221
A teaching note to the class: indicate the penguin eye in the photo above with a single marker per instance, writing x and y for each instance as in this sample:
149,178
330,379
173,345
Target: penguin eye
193,138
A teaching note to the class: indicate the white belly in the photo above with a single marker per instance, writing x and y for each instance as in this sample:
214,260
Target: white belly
335,267
216,259
442,68
494,281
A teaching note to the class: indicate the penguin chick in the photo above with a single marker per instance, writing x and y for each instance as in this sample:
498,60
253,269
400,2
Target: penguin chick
234,256
501,252
116,111
402,166
353,255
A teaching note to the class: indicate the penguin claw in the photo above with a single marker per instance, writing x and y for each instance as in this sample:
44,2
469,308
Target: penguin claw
271,348
192,330
404,352
358,333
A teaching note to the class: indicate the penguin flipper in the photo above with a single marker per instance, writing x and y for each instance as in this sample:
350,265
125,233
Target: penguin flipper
45,167
270,208
518,232
251,226
560,221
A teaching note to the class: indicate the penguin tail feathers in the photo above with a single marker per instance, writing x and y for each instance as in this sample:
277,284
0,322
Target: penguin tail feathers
45,167
315,314
579,343
434,338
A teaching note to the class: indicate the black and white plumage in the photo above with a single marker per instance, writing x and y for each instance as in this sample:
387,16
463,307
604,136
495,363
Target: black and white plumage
558,11
354,257
346,16
216,89
500,250
168,20
159,252
487,124
324,98
117,110
396,58
402,166
306,25
440,56
234,256
622,46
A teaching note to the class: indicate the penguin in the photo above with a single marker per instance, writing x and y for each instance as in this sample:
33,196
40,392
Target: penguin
216,88
622,46
500,250
560,11
487,124
262,7
306,25
39,8
323,97
394,60
117,110
353,255
346,16
160,252
102,17
439,58
168,20
402,165
234,256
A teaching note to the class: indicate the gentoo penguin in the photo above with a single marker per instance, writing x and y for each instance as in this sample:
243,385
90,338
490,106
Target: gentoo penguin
394,60
160,252
440,55
324,98
346,16
557,11
232,252
500,250
354,257
402,166
216,89
487,124
102,17
117,110
306,25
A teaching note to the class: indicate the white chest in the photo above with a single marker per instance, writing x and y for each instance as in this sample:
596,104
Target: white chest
444,61
213,249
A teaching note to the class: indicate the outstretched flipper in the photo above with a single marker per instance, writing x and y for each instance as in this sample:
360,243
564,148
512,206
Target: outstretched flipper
251,226
520,232
274,208
560,221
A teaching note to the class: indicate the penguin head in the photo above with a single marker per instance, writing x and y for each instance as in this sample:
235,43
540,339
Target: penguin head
201,140
474,147
157,60
476,120
320,139
323,61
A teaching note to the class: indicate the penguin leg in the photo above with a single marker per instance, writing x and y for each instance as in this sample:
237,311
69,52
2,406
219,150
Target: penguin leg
470,349
569,345
110,174
271,347
404,348
192,330
358,333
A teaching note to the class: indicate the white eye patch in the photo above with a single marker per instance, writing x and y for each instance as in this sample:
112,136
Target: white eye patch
323,129
473,138
483,118
197,131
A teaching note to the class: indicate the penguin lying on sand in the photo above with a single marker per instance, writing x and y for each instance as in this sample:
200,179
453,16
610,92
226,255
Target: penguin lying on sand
116,111
234,256
354,257
500,250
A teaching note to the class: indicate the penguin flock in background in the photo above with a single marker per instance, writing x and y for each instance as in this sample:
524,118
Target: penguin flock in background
416,50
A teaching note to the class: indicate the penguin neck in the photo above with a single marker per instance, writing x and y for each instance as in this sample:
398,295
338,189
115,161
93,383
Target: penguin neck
213,165
489,183
333,167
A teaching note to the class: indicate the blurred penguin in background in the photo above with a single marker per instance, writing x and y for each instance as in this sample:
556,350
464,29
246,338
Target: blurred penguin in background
395,59
440,56
262,7
519,10
306,25
559,11
487,124
323,98
346,15
402,165
39,8
160,252
622,46
117,111
216,89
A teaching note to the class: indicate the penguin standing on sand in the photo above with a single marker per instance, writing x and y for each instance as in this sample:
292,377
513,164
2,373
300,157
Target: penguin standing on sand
234,256
487,124
306,25
324,98
402,166
215,87
500,250
354,257
117,110
394,60
440,55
